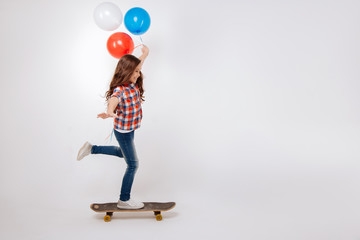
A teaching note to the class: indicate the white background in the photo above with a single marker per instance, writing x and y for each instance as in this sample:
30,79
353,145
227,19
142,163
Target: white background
251,121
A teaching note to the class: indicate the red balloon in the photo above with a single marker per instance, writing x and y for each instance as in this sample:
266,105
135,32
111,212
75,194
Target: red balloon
120,44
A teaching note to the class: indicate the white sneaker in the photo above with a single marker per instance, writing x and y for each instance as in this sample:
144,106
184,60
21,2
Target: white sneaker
130,204
84,151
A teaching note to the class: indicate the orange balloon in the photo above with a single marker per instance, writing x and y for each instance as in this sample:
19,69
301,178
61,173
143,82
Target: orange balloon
120,44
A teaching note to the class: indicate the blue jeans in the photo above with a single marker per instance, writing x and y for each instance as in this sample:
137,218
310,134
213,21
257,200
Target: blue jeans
126,151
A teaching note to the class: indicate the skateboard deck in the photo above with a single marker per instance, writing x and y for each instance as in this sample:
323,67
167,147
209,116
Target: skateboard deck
110,208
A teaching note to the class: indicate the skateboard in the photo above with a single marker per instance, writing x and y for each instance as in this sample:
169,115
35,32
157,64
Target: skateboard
110,208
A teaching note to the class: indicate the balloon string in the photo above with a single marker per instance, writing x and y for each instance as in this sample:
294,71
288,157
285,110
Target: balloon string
110,135
138,45
142,43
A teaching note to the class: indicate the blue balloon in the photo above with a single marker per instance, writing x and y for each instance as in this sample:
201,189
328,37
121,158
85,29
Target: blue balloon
137,21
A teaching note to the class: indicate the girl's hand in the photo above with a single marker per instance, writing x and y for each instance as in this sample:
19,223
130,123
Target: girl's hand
145,50
107,115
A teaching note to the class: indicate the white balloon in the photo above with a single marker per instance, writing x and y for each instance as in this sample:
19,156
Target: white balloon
108,16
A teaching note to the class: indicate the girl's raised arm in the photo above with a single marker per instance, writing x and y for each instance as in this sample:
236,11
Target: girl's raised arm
145,53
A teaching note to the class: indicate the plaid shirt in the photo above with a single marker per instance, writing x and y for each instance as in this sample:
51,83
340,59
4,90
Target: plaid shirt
129,107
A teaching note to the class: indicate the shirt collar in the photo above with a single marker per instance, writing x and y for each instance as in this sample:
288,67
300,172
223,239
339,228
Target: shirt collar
131,85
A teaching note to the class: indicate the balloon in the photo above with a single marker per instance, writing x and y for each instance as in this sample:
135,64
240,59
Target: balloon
137,21
120,44
108,16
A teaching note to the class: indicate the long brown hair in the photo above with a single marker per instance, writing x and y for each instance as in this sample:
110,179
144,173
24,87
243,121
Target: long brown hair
124,69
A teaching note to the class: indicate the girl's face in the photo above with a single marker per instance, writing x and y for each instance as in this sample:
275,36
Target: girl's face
135,75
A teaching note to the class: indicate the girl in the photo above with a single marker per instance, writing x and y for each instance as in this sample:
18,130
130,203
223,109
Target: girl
124,99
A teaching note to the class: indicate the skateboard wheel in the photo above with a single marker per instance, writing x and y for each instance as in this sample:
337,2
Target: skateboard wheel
158,217
107,218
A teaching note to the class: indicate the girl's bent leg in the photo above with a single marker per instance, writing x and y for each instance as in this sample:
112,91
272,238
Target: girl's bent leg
108,150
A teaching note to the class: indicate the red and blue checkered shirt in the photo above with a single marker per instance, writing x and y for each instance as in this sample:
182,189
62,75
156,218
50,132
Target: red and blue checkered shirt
129,108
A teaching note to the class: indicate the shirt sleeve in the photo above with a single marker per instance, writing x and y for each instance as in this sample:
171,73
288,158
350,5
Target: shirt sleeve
117,93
